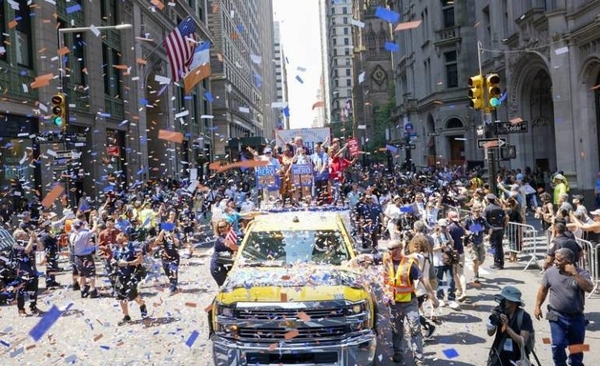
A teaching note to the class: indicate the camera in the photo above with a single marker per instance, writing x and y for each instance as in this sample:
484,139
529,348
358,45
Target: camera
500,309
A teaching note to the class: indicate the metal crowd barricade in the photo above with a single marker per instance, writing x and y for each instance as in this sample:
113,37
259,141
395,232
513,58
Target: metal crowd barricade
524,239
589,261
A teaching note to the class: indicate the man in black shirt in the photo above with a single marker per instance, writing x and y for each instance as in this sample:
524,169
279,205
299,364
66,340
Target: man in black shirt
561,240
50,243
497,219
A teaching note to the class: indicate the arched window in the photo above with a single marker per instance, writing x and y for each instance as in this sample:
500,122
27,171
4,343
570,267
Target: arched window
382,39
371,43
454,123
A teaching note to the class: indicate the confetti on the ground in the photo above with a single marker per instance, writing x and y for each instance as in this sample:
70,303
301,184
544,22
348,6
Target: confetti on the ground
38,331
450,353
190,341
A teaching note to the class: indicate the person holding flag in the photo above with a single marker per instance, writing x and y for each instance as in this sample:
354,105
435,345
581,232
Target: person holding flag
224,251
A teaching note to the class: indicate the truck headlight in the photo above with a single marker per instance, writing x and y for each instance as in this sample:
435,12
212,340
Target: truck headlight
356,308
225,311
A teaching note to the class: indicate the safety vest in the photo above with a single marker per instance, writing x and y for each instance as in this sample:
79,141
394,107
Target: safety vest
398,281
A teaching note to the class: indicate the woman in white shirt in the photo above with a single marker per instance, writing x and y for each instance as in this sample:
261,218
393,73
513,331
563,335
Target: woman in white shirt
392,214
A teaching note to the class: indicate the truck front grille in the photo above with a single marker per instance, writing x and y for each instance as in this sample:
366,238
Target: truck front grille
304,333
280,314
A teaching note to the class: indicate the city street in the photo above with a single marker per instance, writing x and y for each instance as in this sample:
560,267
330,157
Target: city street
176,332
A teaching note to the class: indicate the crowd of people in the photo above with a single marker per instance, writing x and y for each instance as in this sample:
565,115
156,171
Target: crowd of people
434,216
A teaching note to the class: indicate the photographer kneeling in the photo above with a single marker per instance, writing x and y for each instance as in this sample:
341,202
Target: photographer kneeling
512,326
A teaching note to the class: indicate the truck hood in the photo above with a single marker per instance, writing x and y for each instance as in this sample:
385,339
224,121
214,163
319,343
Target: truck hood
276,284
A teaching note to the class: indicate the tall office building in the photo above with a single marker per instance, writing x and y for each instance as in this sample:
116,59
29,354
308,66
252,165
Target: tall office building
283,122
115,105
243,77
339,52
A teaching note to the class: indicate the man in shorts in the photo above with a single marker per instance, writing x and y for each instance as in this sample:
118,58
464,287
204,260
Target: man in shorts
127,258
83,250
476,225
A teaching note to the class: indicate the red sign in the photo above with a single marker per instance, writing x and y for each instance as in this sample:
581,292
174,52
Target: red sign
112,150
353,147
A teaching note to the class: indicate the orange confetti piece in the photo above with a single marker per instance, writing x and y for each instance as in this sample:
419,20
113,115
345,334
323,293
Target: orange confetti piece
208,308
12,24
141,61
170,136
63,51
120,344
476,25
272,346
190,304
408,25
220,57
578,348
546,341
283,297
120,67
53,195
291,334
98,337
42,50
303,316
159,4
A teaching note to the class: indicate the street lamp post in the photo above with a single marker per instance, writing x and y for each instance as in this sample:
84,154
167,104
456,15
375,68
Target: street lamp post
62,81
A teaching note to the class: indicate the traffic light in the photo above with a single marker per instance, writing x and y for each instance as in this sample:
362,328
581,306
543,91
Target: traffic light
492,82
476,92
59,111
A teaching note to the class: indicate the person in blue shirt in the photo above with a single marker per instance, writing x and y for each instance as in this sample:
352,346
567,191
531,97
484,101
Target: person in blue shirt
370,219
320,162
127,258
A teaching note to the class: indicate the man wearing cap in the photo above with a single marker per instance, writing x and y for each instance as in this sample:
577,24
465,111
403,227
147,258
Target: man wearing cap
567,285
560,187
498,220
511,326
457,233
476,225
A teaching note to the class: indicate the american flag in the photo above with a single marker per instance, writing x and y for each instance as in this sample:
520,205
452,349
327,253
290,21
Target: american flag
231,236
179,50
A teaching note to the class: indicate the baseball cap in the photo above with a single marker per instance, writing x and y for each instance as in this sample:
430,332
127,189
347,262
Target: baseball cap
520,176
77,224
267,150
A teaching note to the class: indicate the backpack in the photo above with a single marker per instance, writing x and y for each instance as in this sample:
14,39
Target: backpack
530,344
450,256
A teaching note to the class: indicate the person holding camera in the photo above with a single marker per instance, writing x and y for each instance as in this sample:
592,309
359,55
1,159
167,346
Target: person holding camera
512,326
567,285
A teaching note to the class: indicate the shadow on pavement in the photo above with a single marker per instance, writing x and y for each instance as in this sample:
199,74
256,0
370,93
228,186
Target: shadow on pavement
594,319
458,338
461,318
154,322
193,290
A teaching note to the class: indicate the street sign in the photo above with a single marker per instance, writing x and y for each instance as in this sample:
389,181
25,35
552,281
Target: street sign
409,146
63,154
481,142
503,128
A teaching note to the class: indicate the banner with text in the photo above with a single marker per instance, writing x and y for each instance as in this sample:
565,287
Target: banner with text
353,147
267,178
310,136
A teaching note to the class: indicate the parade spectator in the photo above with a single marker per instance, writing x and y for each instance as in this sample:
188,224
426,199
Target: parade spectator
83,250
222,258
26,244
443,269
126,258
511,327
566,284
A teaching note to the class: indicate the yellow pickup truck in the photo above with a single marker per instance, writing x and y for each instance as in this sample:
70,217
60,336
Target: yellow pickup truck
289,299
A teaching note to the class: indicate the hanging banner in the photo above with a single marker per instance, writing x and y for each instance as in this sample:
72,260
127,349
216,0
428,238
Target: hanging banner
310,136
353,147
302,175
267,177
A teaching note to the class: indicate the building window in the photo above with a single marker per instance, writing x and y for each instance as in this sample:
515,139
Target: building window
112,76
346,41
382,40
345,20
487,25
347,72
425,26
371,43
448,13
3,56
345,10
335,41
348,82
109,11
427,67
451,69
24,43
347,52
346,31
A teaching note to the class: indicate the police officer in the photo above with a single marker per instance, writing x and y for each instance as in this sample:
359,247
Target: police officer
50,243
498,220
567,285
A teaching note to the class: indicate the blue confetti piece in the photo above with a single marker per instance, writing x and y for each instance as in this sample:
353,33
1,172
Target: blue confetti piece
450,353
47,321
192,338
167,226
286,111
108,189
476,228
73,8
105,347
391,46
144,102
240,28
104,115
209,97
299,79
406,209
5,344
386,14
141,171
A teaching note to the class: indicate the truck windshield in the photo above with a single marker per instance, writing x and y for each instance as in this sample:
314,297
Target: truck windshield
295,246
